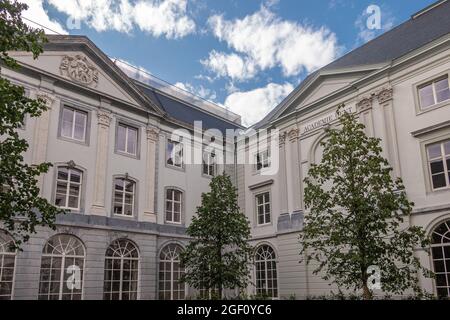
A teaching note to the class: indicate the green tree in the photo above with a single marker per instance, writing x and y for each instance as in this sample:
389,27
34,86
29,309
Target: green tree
21,208
219,255
359,215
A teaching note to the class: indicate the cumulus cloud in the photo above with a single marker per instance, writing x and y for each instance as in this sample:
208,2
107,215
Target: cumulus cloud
167,18
37,13
253,105
229,65
265,41
200,90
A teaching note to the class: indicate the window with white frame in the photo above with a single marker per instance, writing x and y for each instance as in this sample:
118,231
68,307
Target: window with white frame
263,208
74,124
209,163
262,160
124,195
68,188
170,272
7,265
62,268
434,92
127,139
121,271
440,249
174,153
266,272
439,164
173,205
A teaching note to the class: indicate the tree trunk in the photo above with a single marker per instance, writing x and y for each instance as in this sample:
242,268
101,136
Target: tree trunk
367,294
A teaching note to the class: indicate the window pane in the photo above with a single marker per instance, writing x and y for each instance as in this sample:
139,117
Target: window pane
129,186
426,96
447,148
177,196
169,150
73,202
121,137
132,141
439,181
75,176
62,174
434,151
437,167
67,123
442,95
80,125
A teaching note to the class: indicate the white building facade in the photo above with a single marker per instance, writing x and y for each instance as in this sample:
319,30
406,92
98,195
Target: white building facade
130,196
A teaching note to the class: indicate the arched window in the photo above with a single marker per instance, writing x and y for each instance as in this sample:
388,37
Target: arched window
68,188
440,248
173,205
266,272
62,268
170,272
121,271
124,194
7,264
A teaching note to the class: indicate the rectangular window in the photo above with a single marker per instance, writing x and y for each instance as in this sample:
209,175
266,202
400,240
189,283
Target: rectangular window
209,164
262,160
173,206
434,92
174,153
263,208
127,139
439,164
68,188
74,124
124,191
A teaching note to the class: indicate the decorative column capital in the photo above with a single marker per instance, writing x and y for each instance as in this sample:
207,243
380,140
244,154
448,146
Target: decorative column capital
104,117
293,134
282,139
47,98
385,95
364,103
152,133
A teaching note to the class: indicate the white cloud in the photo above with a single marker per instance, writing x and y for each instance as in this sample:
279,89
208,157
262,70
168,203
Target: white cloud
167,18
37,13
229,65
365,34
268,41
253,105
200,90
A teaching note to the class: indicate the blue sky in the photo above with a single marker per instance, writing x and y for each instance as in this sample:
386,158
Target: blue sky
244,54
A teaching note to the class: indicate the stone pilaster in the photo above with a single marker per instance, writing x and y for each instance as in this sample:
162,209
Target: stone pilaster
283,196
41,132
101,164
385,100
152,139
293,135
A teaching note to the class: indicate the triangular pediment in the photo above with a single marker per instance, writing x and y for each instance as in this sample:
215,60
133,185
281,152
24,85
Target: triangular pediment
77,61
321,85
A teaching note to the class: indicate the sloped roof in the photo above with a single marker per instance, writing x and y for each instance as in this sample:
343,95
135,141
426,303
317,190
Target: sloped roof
424,27
185,112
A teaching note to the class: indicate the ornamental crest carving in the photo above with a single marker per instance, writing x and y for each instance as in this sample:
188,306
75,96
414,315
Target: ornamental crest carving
79,69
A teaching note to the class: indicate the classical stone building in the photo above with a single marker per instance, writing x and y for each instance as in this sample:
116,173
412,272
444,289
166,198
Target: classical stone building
119,168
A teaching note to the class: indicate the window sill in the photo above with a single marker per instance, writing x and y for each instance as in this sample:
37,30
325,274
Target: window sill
170,166
129,155
433,107
80,142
